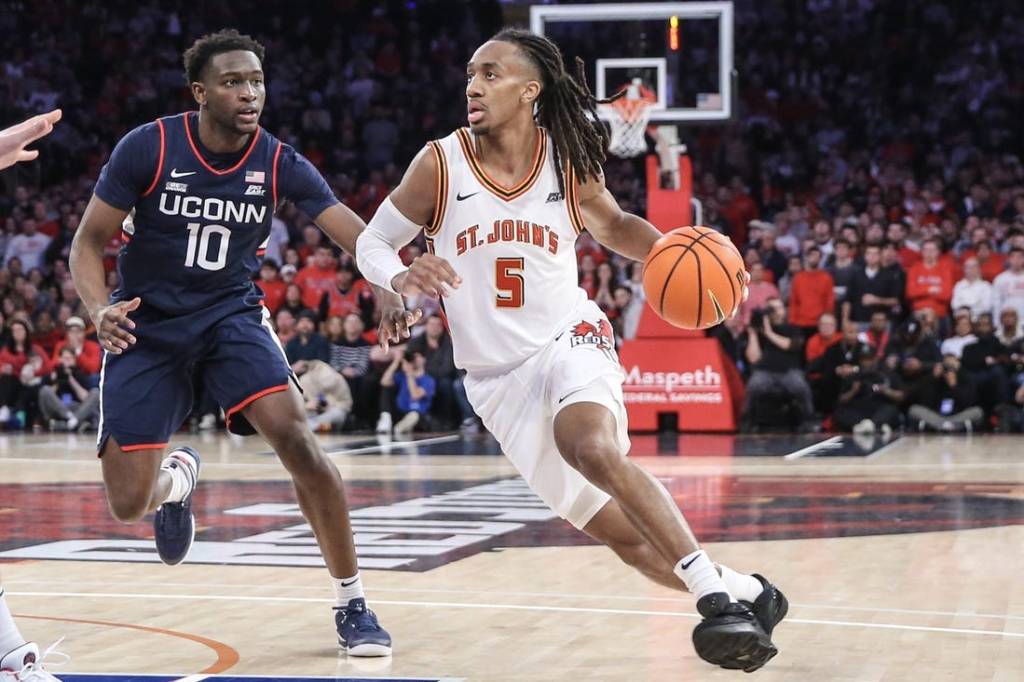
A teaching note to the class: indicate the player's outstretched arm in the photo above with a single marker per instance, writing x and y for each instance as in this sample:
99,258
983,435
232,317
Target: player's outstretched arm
13,140
396,223
624,233
100,223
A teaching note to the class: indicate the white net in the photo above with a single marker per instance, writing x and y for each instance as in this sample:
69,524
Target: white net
628,117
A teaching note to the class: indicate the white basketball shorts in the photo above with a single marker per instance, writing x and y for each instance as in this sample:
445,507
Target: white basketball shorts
519,408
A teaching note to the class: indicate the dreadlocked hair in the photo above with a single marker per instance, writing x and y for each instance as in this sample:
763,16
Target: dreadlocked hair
213,44
563,106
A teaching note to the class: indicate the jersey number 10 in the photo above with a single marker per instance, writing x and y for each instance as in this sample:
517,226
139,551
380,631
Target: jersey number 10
198,250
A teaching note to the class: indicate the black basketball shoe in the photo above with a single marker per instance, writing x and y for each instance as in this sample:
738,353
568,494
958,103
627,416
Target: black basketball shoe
730,636
770,607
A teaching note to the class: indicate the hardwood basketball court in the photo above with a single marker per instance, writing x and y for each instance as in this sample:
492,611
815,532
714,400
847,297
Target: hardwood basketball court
901,560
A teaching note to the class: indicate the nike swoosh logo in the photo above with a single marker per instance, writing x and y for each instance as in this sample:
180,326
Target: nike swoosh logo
686,566
459,197
176,174
348,584
563,398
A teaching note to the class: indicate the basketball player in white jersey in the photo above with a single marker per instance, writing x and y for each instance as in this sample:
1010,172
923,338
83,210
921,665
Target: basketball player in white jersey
501,204
19,659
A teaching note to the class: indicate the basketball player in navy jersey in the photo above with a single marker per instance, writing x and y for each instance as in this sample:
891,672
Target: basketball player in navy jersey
203,187
19,659
552,396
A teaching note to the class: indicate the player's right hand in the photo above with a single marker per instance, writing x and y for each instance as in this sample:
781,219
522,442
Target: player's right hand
13,140
112,325
429,275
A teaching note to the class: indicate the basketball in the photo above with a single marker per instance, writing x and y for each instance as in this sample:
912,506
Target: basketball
694,277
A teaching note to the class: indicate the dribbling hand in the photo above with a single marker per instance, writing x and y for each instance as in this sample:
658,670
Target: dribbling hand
112,325
428,275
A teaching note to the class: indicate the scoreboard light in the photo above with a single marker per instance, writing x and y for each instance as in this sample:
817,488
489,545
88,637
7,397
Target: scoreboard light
673,34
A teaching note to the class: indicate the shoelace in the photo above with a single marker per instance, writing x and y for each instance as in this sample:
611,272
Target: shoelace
36,669
363,620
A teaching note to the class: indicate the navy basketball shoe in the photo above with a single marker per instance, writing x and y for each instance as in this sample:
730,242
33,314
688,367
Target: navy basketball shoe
359,633
174,526
730,636
770,607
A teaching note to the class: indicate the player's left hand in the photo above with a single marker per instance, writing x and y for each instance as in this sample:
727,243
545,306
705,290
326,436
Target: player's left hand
746,295
395,325
13,140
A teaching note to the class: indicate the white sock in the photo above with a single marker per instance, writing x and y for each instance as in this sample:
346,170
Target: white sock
10,636
347,589
181,478
700,575
742,586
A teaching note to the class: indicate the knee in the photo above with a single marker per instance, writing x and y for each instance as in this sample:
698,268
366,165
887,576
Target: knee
130,506
299,452
597,457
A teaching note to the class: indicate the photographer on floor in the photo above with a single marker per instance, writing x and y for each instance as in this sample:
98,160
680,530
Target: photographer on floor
774,351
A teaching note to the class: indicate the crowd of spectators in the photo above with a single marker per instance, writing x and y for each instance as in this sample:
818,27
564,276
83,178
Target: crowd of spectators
872,179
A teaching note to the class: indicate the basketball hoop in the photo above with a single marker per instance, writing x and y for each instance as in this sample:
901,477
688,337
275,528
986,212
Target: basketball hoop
628,117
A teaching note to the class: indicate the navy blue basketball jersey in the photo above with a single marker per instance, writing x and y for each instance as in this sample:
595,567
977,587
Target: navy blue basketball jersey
198,231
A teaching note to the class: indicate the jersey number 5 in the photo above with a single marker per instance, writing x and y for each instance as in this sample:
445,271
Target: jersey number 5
198,250
508,276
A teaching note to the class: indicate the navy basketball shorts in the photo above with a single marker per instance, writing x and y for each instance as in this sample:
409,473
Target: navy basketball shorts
146,393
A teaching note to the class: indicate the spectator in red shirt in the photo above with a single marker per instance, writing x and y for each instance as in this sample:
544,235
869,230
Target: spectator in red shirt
812,294
877,333
47,335
312,239
897,234
88,355
991,263
317,278
44,223
348,295
273,286
18,354
588,275
827,335
930,283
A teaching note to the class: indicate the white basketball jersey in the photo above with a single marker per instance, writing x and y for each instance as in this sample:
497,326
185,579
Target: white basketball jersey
515,249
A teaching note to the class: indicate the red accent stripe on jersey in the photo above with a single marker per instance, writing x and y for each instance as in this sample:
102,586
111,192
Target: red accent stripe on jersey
195,150
440,190
160,160
572,202
273,176
253,398
505,193
143,446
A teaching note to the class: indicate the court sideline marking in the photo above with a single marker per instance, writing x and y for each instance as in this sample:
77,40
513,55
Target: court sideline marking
543,595
514,607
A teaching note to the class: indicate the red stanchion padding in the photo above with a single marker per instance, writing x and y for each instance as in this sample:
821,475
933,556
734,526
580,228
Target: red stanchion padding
669,208
653,327
686,376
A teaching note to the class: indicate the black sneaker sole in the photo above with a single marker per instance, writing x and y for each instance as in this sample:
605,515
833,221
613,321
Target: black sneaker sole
734,646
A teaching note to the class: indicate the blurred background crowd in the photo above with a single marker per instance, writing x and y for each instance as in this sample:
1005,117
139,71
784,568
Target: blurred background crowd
872,179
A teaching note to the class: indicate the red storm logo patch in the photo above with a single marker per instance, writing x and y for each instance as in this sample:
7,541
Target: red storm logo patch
587,333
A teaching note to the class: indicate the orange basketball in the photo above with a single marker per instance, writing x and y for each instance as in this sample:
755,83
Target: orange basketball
694,277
